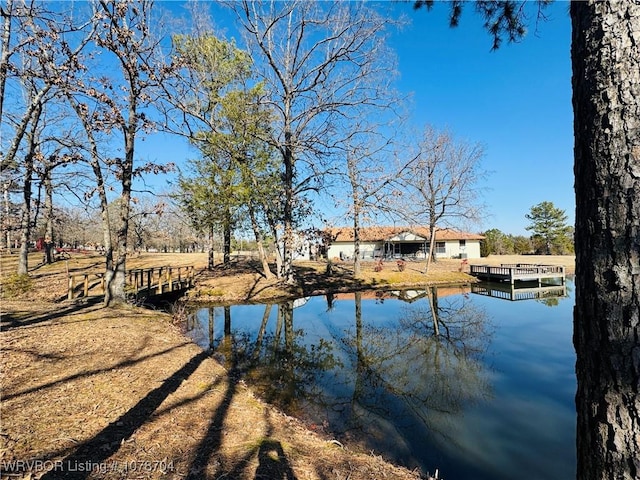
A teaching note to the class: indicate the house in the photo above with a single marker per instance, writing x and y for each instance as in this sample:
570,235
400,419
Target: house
398,242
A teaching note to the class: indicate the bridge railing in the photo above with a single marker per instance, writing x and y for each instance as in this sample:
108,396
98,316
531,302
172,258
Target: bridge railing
160,279
151,281
88,282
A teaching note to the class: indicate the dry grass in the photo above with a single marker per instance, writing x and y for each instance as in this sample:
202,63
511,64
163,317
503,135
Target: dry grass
112,388
117,387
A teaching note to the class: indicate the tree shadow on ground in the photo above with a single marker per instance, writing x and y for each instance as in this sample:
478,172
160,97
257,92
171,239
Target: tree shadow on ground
73,269
10,321
336,279
310,281
273,464
108,441
212,439
123,364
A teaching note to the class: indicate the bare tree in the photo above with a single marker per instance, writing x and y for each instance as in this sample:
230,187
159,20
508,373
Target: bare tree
6,12
124,30
369,177
44,57
317,61
37,61
80,105
441,185
31,151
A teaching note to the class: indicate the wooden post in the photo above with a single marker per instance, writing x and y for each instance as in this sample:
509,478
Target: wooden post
135,281
71,285
169,279
149,272
86,285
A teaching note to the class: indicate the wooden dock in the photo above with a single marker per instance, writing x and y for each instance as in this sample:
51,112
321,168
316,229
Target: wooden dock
521,272
141,282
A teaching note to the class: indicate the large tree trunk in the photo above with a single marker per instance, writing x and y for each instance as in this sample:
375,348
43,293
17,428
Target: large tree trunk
606,94
226,240
25,222
287,239
211,260
257,233
117,277
25,217
49,241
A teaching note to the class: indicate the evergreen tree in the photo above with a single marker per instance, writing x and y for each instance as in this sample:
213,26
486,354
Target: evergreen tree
549,227
234,178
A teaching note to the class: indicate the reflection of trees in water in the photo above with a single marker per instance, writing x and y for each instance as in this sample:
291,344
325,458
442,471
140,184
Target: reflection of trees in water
418,374
381,385
280,367
549,302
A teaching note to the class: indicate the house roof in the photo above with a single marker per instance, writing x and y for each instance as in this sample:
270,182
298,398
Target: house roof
379,234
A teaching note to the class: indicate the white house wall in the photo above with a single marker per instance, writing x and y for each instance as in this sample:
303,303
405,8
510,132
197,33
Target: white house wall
345,250
453,249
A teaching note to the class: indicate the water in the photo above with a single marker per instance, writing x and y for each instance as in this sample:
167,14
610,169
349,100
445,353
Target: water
490,396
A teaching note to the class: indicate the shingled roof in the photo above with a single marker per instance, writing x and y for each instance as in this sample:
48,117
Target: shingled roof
380,234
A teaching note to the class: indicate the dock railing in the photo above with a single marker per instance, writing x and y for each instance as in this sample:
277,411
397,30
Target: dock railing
519,271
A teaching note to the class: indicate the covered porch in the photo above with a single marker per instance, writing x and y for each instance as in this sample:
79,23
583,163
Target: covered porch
405,245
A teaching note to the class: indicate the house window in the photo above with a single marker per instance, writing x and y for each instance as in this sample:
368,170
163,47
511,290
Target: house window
463,243
440,247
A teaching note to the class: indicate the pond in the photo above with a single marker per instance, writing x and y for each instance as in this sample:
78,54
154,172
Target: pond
477,383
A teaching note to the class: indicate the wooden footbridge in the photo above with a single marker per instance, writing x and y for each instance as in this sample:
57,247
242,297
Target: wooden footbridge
141,282
520,272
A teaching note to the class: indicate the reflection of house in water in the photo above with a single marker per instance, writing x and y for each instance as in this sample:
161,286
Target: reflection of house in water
524,291
408,296
299,302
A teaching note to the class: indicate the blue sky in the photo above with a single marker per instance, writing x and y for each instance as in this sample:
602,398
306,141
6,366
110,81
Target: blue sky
516,101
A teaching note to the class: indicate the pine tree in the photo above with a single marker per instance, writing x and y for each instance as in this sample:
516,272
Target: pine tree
549,227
